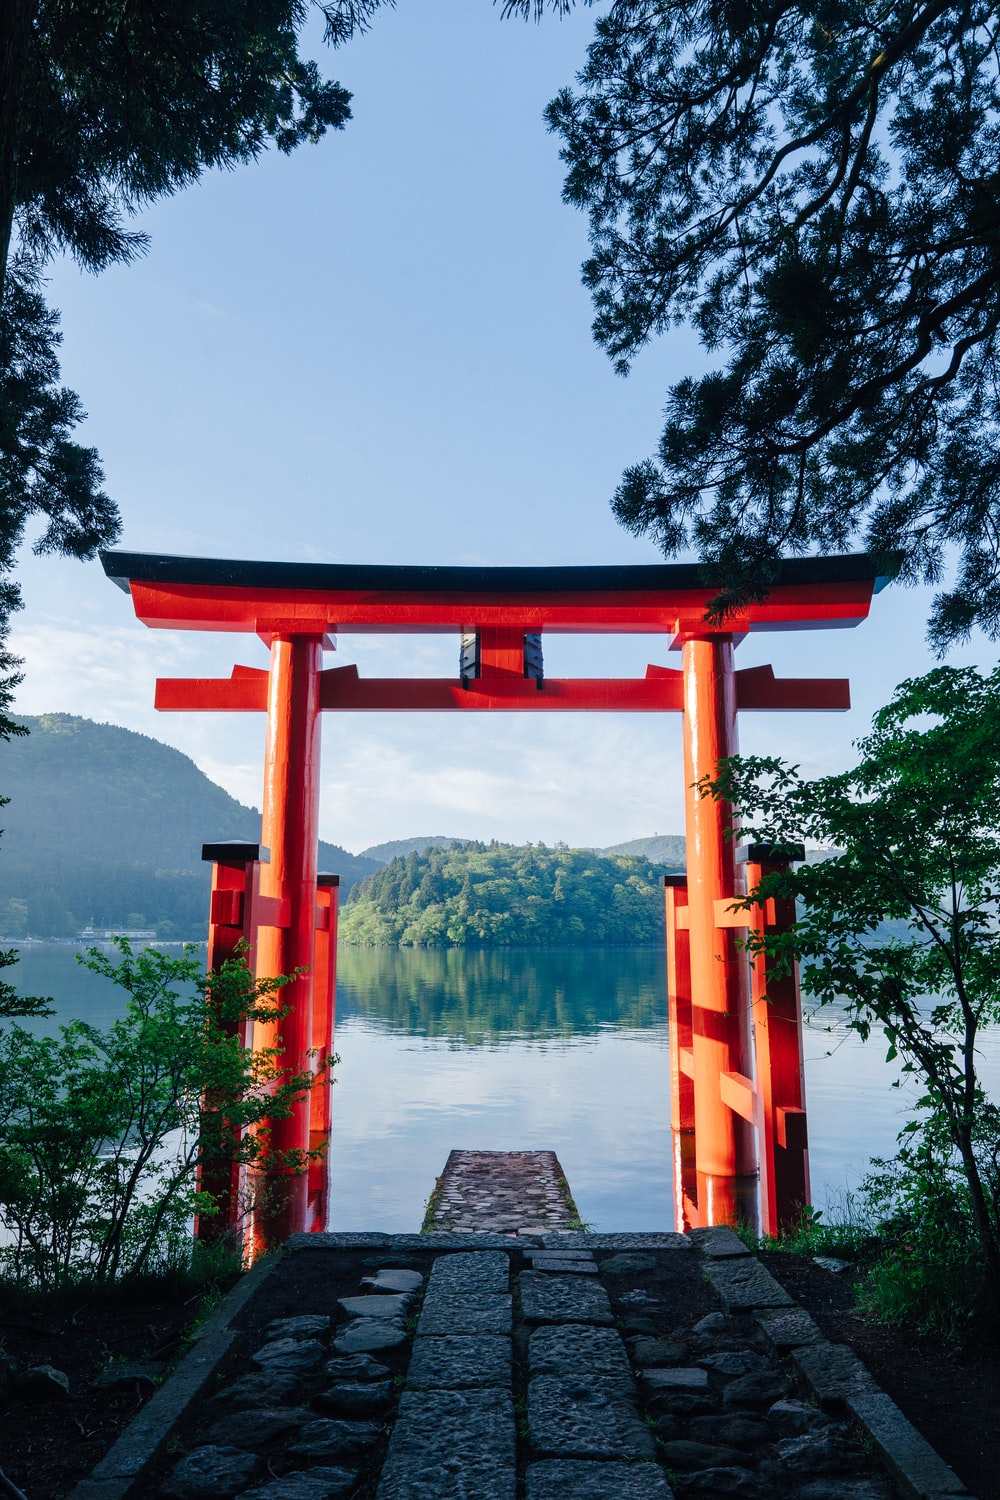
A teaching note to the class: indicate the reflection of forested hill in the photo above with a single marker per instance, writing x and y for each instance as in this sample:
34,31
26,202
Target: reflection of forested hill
500,895
105,825
481,995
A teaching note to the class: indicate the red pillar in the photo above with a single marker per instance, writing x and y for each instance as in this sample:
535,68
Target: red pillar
291,831
719,988
234,873
682,1121
324,1021
780,1068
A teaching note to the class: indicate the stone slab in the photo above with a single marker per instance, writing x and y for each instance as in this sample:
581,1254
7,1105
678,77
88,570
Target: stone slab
353,1367
651,1353
479,1312
908,1455
258,1427
210,1470
585,1417
310,1484
785,1329
375,1306
579,1239
289,1355
571,1349
578,1479
451,1445
563,1299
363,1398
570,1255
841,1488
335,1240
102,1489
569,1267
365,1335
471,1271
375,1240
303,1326
333,1440
675,1379
719,1242
833,1371
394,1279
743,1285
628,1263
459,1363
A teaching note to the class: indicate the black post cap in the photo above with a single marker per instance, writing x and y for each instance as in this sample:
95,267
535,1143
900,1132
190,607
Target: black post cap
675,880
235,852
324,879
771,854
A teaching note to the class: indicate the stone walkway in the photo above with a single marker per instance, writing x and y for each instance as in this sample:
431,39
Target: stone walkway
577,1367
502,1192
525,1360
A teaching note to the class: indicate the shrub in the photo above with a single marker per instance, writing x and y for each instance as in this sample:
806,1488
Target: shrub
102,1132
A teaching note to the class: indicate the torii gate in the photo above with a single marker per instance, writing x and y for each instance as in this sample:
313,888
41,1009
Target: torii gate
722,1093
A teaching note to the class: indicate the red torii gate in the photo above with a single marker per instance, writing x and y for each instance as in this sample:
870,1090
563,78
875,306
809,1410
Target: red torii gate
721,1093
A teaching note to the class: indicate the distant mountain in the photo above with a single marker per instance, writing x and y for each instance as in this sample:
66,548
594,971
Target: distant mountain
663,848
394,848
106,826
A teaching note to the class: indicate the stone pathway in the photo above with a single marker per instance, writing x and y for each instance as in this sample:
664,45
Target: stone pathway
578,1367
502,1192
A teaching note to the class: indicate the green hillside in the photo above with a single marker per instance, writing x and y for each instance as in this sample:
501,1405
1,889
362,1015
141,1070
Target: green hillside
660,848
500,895
381,854
106,826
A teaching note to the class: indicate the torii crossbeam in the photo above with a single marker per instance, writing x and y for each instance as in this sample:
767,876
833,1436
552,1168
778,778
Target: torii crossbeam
502,616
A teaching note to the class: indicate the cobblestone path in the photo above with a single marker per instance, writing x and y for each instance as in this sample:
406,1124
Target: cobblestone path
568,1366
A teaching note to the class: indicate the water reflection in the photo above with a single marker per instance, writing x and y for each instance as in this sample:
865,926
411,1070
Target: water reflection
563,1050
477,996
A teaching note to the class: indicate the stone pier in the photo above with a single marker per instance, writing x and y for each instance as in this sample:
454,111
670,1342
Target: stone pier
501,1192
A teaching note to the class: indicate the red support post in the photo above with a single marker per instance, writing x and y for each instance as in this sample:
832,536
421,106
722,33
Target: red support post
291,830
682,1118
324,1021
724,1147
780,1073
235,876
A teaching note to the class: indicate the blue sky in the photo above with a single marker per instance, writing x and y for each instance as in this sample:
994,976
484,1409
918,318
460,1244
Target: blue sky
378,350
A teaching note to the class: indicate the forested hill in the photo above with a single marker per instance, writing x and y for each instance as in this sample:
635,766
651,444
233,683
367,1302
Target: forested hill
106,826
501,895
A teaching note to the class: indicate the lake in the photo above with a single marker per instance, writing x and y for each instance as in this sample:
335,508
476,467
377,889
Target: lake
513,1049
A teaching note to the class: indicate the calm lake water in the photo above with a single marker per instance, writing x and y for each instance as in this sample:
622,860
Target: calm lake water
503,1050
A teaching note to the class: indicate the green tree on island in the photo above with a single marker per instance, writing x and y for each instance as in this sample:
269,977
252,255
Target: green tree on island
503,896
915,827
815,190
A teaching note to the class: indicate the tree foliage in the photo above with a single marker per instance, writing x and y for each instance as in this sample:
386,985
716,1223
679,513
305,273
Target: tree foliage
500,895
814,189
916,824
104,107
109,106
102,1132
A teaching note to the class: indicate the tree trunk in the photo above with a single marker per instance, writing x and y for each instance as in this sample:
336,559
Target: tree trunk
985,1223
15,37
